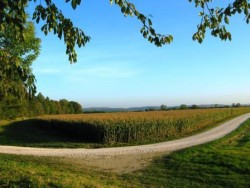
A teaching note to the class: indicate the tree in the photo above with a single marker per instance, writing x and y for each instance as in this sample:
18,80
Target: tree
16,78
163,107
238,105
216,106
11,107
212,18
16,57
37,108
76,107
64,104
40,97
194,106
183,106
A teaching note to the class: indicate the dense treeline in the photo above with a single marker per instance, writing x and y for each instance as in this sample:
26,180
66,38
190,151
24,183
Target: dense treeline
12,107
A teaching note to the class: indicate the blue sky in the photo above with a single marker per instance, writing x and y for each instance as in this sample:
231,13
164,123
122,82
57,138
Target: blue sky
119,68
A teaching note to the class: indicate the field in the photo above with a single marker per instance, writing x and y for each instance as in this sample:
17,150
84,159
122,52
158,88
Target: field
137,127
112,129
223,163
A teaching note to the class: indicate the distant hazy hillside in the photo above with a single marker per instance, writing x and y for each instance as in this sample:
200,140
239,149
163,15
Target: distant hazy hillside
144,108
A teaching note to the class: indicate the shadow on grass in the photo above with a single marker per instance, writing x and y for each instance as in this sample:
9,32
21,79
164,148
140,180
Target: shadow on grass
35,133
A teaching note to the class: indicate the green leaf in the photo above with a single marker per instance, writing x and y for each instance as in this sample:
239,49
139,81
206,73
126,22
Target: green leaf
123,9
149,22
226,20
74,4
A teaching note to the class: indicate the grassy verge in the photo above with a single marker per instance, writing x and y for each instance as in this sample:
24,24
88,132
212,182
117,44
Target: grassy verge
223,163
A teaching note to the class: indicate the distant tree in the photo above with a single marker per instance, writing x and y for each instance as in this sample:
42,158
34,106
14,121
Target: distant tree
150,109
216,105
64,104
183,106
194,106
238,105
70,109
40,97
46,105
37,108
163,107
53,107
76,107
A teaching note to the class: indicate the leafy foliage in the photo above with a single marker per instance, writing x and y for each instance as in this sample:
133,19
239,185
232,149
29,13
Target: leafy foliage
13,12
147,30
61,26
216,18
16,57
213,18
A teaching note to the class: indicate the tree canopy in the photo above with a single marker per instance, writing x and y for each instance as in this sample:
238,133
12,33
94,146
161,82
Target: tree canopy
16,56
213,18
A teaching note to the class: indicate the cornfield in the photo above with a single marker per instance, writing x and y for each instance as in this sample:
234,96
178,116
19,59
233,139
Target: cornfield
142,127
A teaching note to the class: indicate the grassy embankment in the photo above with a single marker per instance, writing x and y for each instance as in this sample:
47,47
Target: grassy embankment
223,163
112,129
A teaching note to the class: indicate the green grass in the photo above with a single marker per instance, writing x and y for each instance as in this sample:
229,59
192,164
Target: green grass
23,171
223,163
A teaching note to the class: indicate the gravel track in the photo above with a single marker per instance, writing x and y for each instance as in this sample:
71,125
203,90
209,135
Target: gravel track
169,146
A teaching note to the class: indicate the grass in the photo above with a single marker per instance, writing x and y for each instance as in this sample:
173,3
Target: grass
21,171
222,163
